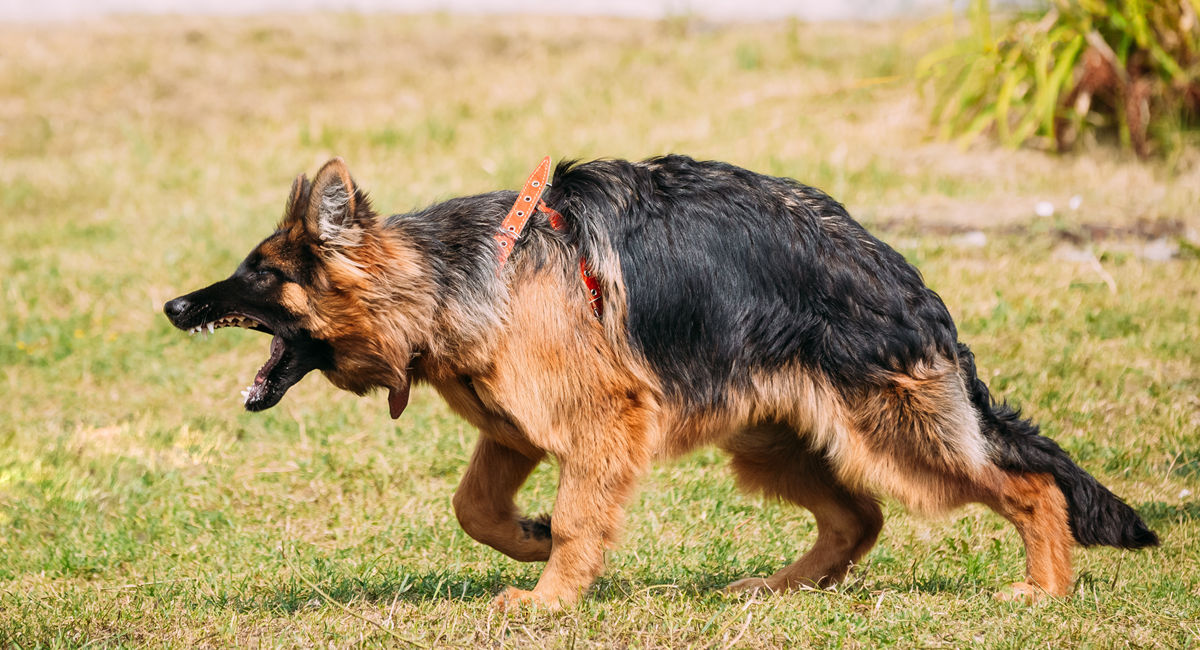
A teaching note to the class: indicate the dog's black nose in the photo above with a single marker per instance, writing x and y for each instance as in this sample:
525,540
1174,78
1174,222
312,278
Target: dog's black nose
175,308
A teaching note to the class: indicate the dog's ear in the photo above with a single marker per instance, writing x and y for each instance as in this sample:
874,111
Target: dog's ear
332,214
297,203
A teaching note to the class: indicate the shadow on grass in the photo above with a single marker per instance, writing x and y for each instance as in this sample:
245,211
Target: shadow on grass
289,593
292,595
289,589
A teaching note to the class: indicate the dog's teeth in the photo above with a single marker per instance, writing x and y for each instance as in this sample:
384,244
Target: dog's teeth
210,328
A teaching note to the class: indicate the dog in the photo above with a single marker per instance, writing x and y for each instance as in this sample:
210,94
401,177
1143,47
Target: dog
715,306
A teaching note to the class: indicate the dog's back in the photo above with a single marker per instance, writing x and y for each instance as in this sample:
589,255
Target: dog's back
728,273
740,310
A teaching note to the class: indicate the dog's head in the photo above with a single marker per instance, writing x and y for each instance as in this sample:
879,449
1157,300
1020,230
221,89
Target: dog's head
323,286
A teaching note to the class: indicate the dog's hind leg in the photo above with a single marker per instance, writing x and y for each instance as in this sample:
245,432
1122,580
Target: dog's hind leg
485,508
776,461
1035,505
922,439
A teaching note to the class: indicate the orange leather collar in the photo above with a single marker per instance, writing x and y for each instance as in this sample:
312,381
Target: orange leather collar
528,200
513,224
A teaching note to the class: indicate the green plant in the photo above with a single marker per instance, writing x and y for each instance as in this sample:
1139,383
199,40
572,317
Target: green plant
1049,77
140,507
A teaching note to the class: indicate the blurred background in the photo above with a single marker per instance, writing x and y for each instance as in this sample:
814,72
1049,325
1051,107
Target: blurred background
1038,162
712,9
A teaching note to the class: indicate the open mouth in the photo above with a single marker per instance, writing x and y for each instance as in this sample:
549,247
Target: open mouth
255,394
268,386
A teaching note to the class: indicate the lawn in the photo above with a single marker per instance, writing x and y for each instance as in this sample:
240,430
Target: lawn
141,507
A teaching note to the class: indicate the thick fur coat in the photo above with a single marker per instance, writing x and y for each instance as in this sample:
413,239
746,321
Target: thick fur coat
741,310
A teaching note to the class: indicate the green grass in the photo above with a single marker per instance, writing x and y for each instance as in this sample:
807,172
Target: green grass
141,507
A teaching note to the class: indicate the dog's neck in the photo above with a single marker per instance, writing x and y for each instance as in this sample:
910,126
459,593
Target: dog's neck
454,284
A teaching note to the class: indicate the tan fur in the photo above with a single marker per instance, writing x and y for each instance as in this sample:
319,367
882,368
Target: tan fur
915,438
579,412
375,326
484,501
1034,504
776,460
539,376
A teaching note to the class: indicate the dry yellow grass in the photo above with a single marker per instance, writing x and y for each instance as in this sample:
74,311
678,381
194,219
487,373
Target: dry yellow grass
430,106
139,506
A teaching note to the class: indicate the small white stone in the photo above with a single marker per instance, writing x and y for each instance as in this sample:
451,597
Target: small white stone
973,239
1075,202
1185,493
1044,209
1159,250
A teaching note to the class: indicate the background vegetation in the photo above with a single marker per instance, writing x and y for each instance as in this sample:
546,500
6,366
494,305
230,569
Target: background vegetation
140,507
1127,67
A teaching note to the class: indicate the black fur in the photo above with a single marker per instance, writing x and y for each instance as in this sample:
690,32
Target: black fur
456,236
1097,516
765,272
254,291
537,527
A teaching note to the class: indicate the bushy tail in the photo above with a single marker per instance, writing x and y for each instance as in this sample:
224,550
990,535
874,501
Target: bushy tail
1097,516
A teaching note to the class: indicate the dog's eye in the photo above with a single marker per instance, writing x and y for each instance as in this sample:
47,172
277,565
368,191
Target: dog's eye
267,275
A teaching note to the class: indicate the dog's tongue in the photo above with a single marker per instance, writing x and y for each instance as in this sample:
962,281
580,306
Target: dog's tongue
276,354
398,399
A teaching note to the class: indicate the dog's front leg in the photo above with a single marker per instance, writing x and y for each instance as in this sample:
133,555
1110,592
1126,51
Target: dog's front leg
588,513
484,502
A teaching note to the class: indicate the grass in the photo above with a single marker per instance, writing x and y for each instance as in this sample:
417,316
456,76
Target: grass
140,507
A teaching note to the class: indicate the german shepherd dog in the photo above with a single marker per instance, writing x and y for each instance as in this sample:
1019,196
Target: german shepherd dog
740,310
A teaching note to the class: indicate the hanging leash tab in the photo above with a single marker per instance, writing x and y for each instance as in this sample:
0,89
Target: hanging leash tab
528,200
513,224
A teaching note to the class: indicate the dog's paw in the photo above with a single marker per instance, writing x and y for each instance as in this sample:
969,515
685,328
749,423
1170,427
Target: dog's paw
749,585
513,599
1023,592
